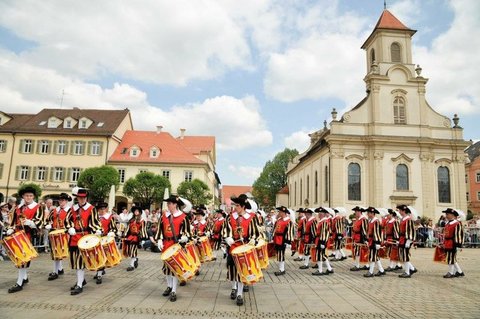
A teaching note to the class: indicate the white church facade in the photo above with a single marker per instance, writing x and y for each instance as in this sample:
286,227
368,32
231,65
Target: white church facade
392,147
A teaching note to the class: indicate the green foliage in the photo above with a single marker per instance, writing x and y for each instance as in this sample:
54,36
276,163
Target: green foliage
273,177
37,188
196,192
99,180
146,188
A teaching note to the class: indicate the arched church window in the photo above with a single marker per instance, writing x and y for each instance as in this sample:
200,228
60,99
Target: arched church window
399,110
402,177
316,187
354,180
443,176
395,52
372,56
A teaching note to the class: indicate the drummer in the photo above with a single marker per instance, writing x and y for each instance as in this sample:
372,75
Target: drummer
359,236
28,216
239,228
80,221
406,238
199,225
56,221
391,239
453,239
109,228
374,235
217,232
135,232
282,235
173,228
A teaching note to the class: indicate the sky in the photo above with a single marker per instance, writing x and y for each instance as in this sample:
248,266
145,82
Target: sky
258,75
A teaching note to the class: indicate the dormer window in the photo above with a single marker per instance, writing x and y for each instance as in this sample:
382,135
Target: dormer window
83,124
134,152
53,122
154,152
68,124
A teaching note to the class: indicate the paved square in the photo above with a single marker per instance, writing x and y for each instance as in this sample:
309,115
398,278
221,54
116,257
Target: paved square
298,294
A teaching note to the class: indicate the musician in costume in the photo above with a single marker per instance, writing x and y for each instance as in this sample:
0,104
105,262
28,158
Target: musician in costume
136,232
56,221
199,225
80,221
322,233
109,228
216,232
283,233
299,234
374,235
359,236
308,236
28,216
123,218
452,240
338,230
390,233
174,227
240,228
407,237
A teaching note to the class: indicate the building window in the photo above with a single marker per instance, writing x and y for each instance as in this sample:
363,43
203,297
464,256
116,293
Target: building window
61,147
58,174
75,174
95,148
316,187
78,148
295,194
1,170
41,174
52,122
478,177
372,56
402,177
308,189
121,175
134,152
24,173
3,146
43,147
83,124
399,110
354,180
68,124
326,183
166,174
478,195
154,152
468,196
27,146
188,176
443,175
396,52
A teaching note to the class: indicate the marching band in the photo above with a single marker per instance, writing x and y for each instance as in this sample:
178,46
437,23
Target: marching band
85,234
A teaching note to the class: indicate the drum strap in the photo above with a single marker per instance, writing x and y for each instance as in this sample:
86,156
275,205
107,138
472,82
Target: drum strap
170,221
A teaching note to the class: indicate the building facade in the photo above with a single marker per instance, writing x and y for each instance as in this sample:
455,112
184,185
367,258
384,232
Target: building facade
473,178
392,147
51,148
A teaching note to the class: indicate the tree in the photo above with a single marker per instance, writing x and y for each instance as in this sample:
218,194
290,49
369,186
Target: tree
146,188
273,177
196,192
37,188
98,181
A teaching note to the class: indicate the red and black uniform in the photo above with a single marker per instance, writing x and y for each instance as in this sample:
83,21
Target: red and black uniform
374,238
406,233
135,232
309,234
57,220
301,234
85,221
282,235
199,228
322,234
391,236
108,224
359,234
216,233
453,239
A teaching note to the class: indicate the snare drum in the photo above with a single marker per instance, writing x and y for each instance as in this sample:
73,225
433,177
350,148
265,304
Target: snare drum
192,251
262,253
383,252
364,253
19,248
440,256
271,250
111,251
313,253
204,249
59,242
394,253
348,243
92,252
179,262
246,262
330,243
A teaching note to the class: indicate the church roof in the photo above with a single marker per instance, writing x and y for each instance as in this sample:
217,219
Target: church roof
473,151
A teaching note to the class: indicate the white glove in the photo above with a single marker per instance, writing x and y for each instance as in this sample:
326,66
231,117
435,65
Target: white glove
377,247
252,242
195,241
111,234
229,241
408,243
160,245
183,239
71,231
48,227
98,232
119,233
29,223
322,246
207,234
9,232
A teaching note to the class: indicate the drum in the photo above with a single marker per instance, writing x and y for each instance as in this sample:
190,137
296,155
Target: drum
92,252
394,253
59,242
205,249
179,262
440,256
262,253
330,243
271,250
124,248
111,251
364,253
313,253
19,248
382,252
348,243
192,251
246,262
294,246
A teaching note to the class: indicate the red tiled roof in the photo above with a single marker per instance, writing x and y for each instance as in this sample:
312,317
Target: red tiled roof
284,190
171,150
229,191
197,144
388,21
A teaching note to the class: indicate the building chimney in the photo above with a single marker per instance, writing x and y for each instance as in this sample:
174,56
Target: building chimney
159,129
182,133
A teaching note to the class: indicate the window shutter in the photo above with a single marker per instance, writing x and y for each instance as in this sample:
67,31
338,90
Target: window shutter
67,143
69,175
1,170
83,148
46,174
64,173
29,173
89,148
35,177
49,148
55,147
39,146
52,171
100,148
17,173
22,146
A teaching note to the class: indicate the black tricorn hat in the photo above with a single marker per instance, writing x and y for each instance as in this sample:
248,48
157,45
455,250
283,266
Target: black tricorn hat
221,211
174,199
199,212
283,209
28,189
405,208
372,210
358,209
65,196
134,208
101,205
241,200
308,211
392,212
450,211
300,210
82,192
202,206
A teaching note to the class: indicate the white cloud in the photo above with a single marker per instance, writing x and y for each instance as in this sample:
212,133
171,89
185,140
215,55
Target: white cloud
298,140
407,11
250,173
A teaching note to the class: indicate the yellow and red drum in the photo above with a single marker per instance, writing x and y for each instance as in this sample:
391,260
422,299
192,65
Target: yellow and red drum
262,254
246,262
192,251
59,242
114,257
179,262
19,248
440,255
92,252
204,249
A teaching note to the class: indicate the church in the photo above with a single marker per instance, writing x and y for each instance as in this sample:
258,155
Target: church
392,147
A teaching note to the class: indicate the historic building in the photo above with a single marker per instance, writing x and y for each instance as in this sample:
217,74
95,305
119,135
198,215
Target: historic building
472,178
179,159
392,147
52,147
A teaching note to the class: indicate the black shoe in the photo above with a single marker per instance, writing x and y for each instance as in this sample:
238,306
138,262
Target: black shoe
167,292
317,273
173,297
99,280
459,274
135,263
183,283
398,267
315,266
130,268
388,269
279,273
60,272
331,255
83,284
449,275
404,275
328,272
246,289
368,275
95,277
343,258
76,290
197,273
25,281
365,268
303,267
239,300
233,294
14,289
293,253
413,271
380,273
355,268
52,276
298,259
